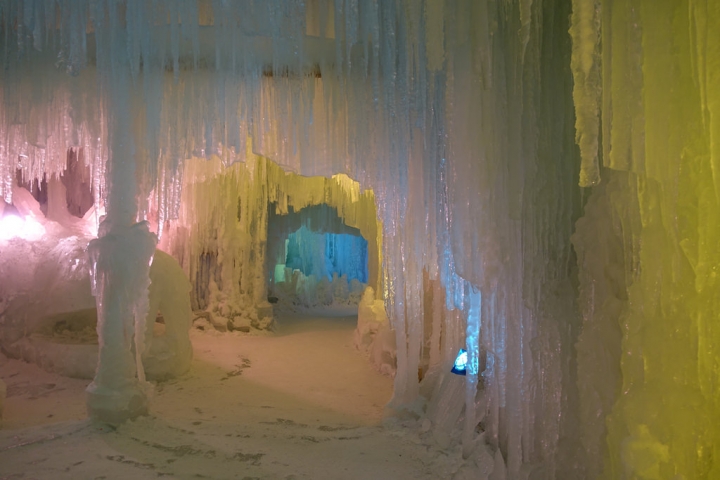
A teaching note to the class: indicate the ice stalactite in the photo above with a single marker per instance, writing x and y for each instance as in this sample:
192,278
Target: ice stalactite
506,217
586,62
472,342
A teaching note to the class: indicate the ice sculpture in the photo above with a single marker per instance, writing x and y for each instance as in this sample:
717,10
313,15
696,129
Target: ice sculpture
48,315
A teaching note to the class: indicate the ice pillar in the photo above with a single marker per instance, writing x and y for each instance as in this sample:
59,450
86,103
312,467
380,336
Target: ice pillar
121,257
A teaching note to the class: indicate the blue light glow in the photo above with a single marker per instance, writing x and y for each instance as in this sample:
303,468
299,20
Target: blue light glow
325,254
460,366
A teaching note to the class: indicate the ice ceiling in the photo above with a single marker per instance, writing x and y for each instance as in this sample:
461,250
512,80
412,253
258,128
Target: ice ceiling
589,312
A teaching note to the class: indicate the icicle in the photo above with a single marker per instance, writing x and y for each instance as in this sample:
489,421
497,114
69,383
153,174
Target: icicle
434,34
586,91
472,345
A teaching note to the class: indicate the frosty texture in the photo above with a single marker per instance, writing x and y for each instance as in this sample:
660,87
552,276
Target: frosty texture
585,31
3,392
653,307
119,275
457,115
373,335
230,232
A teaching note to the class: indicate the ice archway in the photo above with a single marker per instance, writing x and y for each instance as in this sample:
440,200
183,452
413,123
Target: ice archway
224,214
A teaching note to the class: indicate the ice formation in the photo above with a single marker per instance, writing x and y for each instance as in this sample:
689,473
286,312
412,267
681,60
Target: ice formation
327,254
314,259
167,353
458,120
229,237
3,392
373,334
47,313
648,354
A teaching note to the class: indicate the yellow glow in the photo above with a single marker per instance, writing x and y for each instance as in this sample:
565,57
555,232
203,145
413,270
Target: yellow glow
661,108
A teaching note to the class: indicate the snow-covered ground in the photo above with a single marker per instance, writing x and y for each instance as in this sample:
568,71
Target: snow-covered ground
298,404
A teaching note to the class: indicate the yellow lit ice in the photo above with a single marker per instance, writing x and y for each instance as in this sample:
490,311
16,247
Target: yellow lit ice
661,102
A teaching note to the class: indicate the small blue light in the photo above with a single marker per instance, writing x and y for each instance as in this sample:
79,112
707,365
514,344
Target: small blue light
460,363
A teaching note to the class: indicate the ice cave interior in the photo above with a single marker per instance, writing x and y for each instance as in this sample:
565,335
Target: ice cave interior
536,182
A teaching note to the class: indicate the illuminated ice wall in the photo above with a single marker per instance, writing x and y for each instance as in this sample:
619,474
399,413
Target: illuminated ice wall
327,254
647,101
226,236
588,314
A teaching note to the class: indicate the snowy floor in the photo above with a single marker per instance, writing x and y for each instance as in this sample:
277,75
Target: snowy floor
299,404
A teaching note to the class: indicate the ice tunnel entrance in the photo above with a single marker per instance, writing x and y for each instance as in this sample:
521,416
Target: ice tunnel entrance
315,259
237,223
235,236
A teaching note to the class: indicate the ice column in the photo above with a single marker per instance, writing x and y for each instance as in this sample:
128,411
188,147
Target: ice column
121,255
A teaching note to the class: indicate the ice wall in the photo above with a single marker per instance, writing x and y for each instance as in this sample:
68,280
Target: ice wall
327,254
658,68
319,221
456,113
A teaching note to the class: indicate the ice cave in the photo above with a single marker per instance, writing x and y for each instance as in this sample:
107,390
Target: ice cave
362,239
